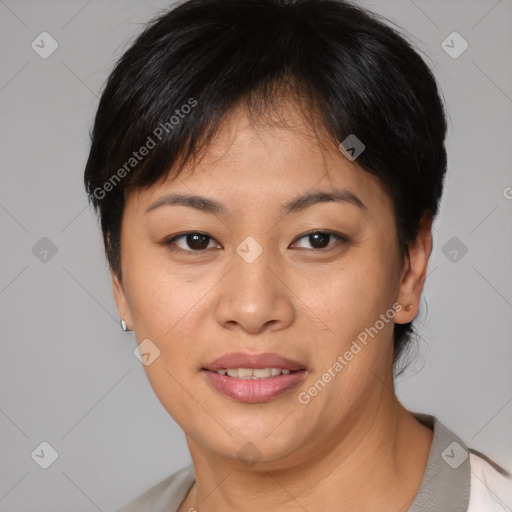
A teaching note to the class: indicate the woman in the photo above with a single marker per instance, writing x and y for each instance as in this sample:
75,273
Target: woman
266,173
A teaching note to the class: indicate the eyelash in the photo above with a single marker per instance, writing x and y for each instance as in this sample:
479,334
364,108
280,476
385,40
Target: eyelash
341,239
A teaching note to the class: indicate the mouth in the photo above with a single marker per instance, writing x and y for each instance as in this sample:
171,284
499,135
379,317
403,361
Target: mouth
254,378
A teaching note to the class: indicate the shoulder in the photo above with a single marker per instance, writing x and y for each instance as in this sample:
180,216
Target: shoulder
166,495
459,478
491,485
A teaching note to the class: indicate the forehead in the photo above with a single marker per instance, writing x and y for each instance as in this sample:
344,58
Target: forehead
267,159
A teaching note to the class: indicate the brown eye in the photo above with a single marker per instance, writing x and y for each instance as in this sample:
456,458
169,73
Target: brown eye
320,240
190,242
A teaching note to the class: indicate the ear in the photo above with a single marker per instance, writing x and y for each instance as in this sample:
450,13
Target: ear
122,304
415,272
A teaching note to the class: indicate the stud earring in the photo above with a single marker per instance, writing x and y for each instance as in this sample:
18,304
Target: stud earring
123,325
408,307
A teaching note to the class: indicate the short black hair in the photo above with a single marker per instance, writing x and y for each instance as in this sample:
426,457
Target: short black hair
347,68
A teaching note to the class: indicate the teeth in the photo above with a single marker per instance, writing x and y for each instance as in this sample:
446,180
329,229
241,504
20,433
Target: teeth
261,372
250,373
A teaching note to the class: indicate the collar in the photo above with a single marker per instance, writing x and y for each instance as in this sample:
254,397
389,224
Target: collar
446,481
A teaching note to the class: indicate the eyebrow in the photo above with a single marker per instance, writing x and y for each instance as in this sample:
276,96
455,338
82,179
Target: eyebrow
209,205
201,203
310,198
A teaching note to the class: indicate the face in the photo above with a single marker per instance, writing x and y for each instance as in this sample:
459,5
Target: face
264,268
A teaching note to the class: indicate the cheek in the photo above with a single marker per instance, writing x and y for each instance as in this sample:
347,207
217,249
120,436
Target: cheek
162,296
168,308
359,343
352,296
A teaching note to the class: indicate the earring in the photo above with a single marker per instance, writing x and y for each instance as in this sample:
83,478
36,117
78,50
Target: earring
123,325
408,307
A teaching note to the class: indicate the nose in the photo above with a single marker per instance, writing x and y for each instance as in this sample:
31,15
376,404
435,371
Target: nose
254,296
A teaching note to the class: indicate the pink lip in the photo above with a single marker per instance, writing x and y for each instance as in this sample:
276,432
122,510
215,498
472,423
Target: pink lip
244,360
254,390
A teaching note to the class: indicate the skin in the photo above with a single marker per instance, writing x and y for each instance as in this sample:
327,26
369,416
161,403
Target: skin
353,446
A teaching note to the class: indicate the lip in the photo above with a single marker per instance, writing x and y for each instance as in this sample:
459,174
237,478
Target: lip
245,360
254,390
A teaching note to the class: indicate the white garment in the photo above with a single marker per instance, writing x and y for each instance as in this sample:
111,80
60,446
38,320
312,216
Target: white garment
489,491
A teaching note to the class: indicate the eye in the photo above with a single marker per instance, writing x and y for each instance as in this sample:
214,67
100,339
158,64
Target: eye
190,242
320,240
198,242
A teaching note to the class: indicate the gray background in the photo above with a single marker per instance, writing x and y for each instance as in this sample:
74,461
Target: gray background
68,373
